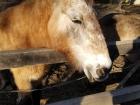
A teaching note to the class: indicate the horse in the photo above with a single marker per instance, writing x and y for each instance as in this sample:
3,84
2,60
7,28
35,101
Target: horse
122,27
68,26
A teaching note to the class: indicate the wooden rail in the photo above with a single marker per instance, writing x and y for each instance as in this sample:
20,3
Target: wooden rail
11,59
105,98
123,47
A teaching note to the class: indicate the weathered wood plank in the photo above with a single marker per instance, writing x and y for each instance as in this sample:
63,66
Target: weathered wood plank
105,98
20,58
10,59
124,47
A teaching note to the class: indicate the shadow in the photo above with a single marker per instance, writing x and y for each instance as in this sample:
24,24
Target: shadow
8,78
108,24
83,87
102,1
7,97
134,57
9,3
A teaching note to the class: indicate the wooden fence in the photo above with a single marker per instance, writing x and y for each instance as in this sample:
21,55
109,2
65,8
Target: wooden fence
9,59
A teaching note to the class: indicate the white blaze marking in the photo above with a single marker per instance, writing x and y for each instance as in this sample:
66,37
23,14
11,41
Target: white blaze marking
87,58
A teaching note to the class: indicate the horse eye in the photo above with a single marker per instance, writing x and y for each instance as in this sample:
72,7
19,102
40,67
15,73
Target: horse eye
77,21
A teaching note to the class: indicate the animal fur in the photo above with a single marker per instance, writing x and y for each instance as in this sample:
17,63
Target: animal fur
68,26
40,23
122,27
17,31
119,27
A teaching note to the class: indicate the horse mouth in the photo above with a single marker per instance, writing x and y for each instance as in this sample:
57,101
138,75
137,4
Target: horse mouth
101,79
99,75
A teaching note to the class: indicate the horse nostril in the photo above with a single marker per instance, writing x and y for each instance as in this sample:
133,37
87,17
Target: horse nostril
102,72
89,67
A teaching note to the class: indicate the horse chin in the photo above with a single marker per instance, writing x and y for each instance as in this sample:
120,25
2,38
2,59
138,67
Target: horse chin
94,78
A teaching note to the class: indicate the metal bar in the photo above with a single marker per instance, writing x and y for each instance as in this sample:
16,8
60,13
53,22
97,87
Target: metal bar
11,59
126,94
129,74
105,98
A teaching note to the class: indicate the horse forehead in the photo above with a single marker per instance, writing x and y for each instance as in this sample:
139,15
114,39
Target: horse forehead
85,1
78,6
